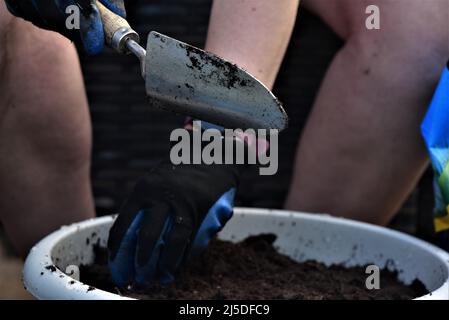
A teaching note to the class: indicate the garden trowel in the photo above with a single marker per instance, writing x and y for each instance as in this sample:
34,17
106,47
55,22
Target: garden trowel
189,81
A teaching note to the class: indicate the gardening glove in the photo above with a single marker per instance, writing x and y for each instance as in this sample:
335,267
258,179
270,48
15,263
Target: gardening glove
51,15
172,214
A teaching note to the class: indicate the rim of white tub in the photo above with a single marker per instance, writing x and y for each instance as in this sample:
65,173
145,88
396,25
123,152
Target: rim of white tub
45,281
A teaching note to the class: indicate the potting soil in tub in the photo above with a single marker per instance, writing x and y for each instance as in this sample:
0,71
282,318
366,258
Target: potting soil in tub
253,269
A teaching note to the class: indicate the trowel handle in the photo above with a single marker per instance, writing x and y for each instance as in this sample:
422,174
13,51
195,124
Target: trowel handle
116,29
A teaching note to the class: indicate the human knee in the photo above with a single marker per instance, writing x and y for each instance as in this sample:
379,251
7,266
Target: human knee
416,38
5,26
51,137
49,130
45,109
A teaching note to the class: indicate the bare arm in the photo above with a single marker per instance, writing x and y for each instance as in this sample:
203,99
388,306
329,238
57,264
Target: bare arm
254,34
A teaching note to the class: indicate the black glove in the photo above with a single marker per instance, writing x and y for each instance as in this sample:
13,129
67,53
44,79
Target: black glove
172,210
52,15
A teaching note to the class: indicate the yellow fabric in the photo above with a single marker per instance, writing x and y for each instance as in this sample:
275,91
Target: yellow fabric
442,223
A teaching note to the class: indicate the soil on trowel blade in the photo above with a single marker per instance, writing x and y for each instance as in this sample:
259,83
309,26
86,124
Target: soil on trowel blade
253,269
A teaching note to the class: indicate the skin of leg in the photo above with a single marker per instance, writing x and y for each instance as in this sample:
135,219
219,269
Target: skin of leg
361,153
254,34
45,133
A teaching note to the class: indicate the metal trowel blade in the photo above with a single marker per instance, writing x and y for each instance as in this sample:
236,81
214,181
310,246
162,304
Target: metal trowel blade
189,81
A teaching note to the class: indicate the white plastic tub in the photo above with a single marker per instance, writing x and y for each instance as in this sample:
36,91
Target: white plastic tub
301,236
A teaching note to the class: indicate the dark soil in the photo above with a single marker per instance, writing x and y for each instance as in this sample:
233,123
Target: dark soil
253,269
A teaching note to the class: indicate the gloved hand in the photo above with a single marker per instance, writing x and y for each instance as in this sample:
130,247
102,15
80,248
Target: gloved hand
51,15
173,212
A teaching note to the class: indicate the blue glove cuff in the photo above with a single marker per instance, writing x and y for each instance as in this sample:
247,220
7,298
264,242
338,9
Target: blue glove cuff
215,220
92,33
124,268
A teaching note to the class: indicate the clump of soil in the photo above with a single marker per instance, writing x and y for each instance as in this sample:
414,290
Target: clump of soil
253,269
